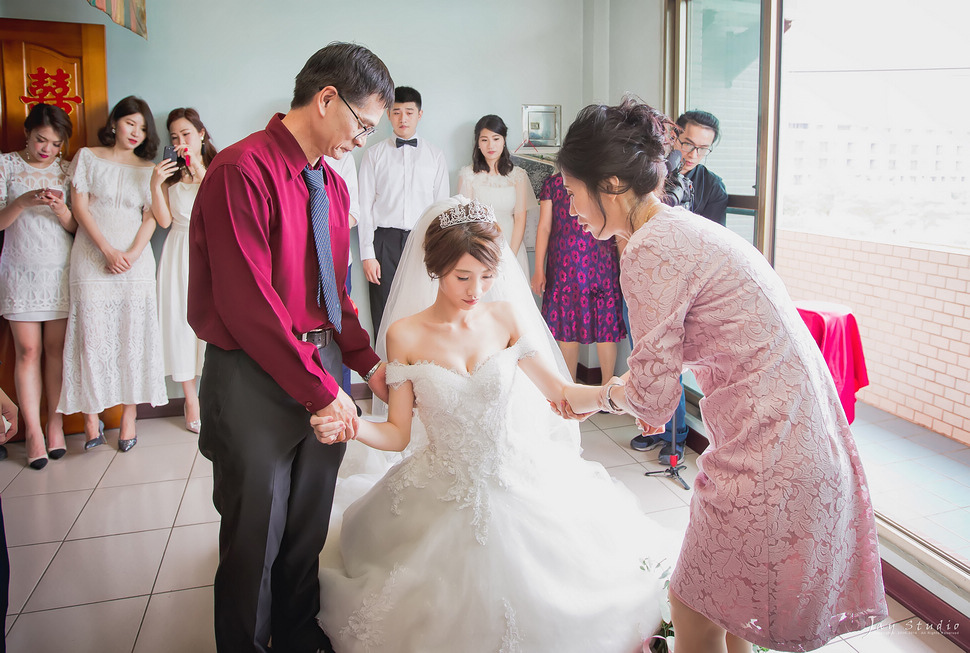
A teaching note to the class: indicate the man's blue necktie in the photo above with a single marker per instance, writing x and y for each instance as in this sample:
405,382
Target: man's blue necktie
320,220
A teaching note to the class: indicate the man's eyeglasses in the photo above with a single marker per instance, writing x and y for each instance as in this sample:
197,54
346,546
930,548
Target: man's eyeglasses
688,148
366,131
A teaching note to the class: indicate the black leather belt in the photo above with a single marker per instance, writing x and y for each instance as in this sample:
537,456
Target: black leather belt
318,337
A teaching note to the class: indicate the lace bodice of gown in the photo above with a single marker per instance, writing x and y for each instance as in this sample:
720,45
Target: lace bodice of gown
466,416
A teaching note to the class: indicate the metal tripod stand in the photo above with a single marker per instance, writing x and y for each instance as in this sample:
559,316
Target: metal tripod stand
673,469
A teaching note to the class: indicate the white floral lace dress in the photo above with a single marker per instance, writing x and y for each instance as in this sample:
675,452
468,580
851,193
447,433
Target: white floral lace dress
781,548
489,539
112,351
36,248
506,195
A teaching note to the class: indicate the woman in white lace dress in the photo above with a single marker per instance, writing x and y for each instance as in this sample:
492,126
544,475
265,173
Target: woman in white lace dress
112,353
493,534
492,179
37,224
175,185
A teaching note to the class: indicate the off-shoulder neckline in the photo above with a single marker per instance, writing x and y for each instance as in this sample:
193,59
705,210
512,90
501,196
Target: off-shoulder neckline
463,373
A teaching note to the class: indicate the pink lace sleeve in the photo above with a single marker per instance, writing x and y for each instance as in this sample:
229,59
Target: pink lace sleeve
658,295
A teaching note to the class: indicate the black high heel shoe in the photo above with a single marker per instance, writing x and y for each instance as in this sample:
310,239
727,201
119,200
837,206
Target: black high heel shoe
126,445
56,454
91,444
38,462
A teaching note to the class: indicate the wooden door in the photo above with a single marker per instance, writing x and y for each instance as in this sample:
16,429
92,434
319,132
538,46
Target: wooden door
55,63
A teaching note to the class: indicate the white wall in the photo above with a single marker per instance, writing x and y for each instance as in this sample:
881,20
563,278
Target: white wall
235,60
622,52
636,50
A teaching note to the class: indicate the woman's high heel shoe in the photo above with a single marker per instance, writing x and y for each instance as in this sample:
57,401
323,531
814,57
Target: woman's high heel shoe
195,425
39,462
126,445
91,444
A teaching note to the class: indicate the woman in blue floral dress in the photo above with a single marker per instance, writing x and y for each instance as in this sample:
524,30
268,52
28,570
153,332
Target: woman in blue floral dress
579,280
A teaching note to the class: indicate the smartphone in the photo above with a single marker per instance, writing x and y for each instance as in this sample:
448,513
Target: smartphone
170,154
54,192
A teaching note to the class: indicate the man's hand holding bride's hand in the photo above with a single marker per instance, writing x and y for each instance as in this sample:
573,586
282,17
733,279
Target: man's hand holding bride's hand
327,429
336,422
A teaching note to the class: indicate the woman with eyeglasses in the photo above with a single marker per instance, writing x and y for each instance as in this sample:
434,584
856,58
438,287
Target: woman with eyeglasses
700,133
493,179
781,549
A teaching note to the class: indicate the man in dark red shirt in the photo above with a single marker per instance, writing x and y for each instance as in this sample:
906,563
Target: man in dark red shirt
274,355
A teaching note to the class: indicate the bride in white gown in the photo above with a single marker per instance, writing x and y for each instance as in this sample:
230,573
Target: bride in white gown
492,534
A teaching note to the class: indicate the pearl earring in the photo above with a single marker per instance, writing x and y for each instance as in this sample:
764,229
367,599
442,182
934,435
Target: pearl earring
112,130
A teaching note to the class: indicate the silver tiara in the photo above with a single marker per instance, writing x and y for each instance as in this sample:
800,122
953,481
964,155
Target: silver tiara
473,211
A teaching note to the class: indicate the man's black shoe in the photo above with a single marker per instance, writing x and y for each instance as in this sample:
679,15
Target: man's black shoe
645,442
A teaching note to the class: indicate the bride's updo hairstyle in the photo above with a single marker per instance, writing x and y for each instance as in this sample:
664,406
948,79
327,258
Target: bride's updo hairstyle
629,142
444,246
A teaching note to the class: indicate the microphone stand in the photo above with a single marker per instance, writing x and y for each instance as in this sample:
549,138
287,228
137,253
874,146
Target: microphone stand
673,469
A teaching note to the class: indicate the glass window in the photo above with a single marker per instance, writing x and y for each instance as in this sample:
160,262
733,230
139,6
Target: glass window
723,45
887,233
723,41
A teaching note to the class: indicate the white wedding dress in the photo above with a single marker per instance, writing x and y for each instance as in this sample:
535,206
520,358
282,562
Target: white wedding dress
488,537
492,535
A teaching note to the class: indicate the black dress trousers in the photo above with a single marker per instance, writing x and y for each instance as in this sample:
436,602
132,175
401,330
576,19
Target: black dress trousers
388,247
273,485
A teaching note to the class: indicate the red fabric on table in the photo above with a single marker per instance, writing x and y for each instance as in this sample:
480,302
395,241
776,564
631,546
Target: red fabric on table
835,330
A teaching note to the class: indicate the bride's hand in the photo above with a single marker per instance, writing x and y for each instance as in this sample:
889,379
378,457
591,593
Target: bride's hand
343,411
327,429
565,411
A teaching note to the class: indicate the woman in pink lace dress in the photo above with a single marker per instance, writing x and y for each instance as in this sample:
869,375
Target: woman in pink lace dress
781,549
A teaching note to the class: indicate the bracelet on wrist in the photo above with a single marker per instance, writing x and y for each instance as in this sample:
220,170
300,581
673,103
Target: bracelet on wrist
373,371
609,404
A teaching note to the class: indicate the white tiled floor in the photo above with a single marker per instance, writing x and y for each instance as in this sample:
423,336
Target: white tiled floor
918,478
115,552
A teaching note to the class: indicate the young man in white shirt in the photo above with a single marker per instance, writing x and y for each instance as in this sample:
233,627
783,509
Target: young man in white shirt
399,178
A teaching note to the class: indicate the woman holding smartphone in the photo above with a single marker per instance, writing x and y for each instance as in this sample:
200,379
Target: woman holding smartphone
175,184
112,352
38,225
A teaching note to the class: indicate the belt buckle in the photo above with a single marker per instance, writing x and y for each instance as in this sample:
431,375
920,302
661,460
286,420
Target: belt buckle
318,337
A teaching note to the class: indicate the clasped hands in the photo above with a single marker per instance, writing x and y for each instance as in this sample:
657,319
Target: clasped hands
117,261
581,401
338,421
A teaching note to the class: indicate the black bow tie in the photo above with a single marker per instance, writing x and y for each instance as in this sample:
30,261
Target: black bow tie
413,142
